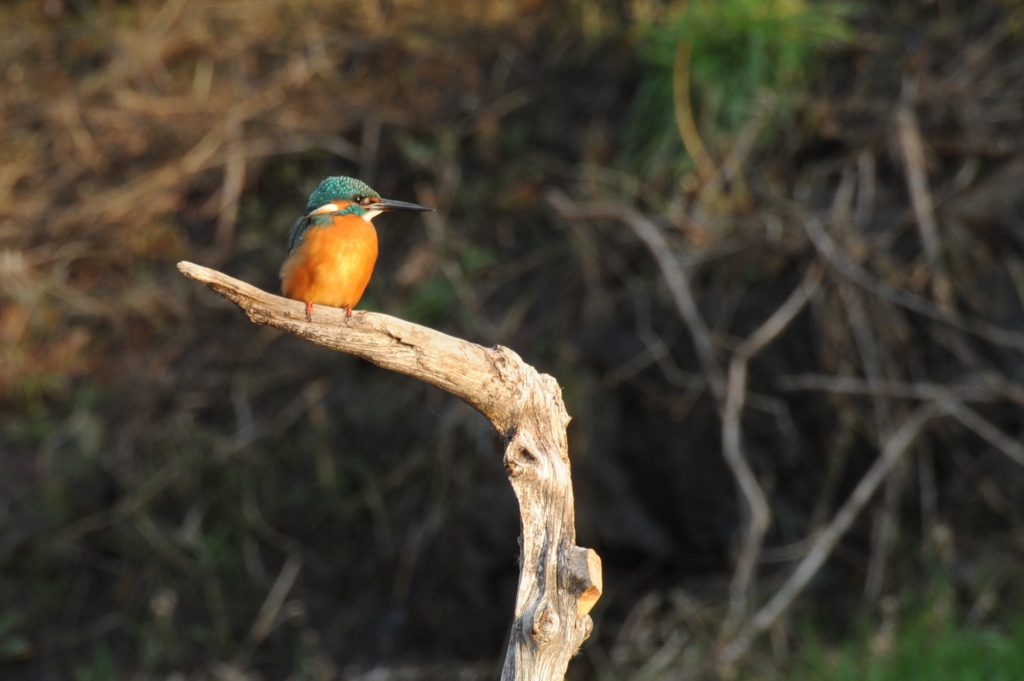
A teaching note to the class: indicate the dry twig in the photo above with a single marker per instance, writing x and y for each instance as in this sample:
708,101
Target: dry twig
732,445
267,617
671,271
951,399
991,332
684,114
829,536
985,429
974,390
912,147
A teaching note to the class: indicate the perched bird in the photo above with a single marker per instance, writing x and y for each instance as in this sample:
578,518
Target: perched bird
333,247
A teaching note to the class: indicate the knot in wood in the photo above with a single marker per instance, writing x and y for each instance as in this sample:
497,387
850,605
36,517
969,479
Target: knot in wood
545,624
518,457
586,625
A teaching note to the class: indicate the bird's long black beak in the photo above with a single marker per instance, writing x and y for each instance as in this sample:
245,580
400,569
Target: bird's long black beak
390,204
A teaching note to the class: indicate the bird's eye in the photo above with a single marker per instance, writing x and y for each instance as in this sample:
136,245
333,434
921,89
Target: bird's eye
358,199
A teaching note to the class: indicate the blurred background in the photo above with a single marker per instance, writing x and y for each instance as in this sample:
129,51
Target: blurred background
626,191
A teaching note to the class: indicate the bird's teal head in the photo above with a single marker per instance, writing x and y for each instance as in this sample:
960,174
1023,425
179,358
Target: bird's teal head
342,195
339,190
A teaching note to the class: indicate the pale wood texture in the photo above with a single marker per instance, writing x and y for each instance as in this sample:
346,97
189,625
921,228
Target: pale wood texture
559,582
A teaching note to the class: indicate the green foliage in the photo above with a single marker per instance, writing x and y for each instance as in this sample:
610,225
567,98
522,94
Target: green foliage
475,259
431,302
739,48
922,650
102,667
12,644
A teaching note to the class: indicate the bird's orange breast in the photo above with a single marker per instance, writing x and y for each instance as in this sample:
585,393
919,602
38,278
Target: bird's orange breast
333,264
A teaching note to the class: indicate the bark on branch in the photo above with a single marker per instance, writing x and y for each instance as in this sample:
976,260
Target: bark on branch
559,582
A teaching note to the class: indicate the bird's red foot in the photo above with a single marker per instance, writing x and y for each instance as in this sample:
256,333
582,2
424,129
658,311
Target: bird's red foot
309,310
348,311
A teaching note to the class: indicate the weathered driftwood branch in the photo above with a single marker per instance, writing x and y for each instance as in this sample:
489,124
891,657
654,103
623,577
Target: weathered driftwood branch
559,582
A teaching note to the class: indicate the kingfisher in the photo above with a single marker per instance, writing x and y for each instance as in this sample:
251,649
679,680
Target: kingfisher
332,248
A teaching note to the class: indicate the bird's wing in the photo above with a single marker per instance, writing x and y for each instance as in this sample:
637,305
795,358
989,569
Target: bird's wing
298,230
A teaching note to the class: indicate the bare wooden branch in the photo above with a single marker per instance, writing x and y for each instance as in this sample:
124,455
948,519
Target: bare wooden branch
829,536
871,352
985,429
684,113
672,272
268,616
979,388
732,446
993,333
975,390
912,148
559,582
